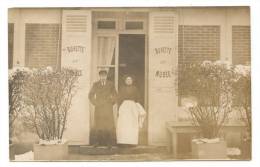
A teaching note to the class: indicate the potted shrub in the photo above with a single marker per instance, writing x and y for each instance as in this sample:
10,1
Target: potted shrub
242,103
209,84
48,95
16,78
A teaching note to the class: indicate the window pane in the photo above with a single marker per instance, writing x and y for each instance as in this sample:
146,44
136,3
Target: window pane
133,25
106,25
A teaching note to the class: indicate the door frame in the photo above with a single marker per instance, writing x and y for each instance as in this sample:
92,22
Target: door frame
116,33
120,29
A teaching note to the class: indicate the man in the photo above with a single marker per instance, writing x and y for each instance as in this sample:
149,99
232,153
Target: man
103,96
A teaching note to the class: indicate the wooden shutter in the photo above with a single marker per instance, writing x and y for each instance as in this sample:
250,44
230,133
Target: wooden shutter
163,38
76,53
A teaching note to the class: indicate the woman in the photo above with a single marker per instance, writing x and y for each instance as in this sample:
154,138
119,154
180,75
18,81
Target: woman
129,114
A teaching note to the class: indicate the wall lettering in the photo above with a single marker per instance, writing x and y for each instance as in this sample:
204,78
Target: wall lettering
74,54
163,50
163,57
163,74
75,49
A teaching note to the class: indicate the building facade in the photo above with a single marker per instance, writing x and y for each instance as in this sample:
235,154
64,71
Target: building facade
149,43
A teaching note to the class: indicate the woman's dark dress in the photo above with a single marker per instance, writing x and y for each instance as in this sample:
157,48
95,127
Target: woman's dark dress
128,93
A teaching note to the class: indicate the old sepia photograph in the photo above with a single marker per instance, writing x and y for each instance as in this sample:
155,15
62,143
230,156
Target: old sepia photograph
129,83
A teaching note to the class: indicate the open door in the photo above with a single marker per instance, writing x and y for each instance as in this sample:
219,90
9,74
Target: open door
76,53
132,62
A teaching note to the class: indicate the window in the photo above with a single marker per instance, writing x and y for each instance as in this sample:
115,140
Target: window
134,25
241,54
106,25
10,44
241,45
196,44
42,45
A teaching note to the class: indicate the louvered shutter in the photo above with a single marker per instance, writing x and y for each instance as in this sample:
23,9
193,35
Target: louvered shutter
76,53
163,37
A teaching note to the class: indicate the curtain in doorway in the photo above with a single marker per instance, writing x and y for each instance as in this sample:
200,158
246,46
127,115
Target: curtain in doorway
106,50
105,53
105,56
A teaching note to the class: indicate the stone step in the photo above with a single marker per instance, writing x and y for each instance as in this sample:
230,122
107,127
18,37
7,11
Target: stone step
90,150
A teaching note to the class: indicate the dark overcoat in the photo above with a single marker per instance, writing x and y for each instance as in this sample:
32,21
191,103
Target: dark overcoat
103,97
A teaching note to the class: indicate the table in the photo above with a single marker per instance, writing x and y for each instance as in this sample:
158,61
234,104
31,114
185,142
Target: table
175,127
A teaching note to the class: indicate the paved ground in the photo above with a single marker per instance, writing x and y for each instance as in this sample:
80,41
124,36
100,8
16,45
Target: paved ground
121,157
154,156
138,153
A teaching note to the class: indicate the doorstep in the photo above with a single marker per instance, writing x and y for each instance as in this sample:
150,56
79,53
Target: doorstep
90,150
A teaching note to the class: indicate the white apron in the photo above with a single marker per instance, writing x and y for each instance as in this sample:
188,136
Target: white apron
128,122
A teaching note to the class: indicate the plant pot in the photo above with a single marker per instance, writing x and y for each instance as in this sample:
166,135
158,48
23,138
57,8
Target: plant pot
210,151
51,152
246,150
11,151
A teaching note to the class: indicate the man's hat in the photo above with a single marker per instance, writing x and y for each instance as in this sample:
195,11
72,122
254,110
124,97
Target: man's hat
102,72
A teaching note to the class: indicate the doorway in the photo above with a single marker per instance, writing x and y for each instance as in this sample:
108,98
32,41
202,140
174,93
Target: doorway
132,62
119,46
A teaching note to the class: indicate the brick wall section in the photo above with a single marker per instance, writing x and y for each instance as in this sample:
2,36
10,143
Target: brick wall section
41,45
241,44
198,43
10,44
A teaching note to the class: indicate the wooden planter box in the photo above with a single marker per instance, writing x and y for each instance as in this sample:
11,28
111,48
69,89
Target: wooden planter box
209,151
55,152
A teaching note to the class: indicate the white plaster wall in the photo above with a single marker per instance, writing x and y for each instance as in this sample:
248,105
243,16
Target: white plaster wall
162,98
78,129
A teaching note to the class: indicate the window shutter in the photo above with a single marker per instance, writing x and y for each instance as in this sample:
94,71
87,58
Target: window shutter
163,60
76,53
76,38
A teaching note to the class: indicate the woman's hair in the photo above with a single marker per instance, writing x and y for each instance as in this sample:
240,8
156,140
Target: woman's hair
128,76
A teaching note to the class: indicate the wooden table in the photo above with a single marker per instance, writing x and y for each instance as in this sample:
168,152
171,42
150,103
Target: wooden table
186,127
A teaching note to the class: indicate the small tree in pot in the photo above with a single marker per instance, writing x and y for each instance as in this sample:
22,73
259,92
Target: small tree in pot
16,78
211,85
48,96
242,103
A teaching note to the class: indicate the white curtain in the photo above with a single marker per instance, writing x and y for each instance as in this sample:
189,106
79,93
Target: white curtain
106,46
105,52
